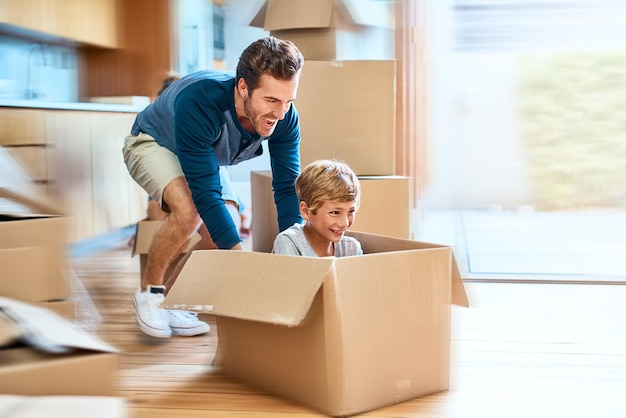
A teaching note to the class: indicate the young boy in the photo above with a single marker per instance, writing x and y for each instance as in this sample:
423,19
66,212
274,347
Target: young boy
329,195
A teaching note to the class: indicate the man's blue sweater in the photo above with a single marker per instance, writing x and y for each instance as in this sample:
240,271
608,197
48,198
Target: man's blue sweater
195,118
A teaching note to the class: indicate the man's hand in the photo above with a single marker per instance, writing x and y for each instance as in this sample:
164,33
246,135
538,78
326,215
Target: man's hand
238,246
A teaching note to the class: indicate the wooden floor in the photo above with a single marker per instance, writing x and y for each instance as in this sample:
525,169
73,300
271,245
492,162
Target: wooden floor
521,350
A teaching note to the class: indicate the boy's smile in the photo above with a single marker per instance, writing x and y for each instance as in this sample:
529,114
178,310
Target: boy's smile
328,224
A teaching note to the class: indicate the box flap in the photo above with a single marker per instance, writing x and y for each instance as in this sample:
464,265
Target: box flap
18,188
259,17
271,288
305,14
373,243
459,296
47,331
291,14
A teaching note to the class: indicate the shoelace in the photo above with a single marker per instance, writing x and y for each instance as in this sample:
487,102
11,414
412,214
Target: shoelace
184,315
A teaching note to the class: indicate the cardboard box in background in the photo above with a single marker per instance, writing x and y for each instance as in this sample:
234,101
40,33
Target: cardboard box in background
340,335
347,111
57,357
384,208
332,29
33,239
143,235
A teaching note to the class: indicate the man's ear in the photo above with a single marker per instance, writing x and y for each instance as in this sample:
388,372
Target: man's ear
304,210
242,88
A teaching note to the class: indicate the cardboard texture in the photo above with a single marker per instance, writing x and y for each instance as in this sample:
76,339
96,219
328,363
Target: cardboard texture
33,239
55,358
384,208
340,335
356,100
331,29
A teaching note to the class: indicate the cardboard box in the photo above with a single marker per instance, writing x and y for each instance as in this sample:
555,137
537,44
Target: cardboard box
33,239
55,358
341,335
348,111
384,210
332,29
63,307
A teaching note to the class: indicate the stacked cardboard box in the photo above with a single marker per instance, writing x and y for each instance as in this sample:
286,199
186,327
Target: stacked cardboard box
347,106
33,242
332,29
43,352
384,208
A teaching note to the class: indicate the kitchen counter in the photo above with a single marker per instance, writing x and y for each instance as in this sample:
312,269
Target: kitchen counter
88,106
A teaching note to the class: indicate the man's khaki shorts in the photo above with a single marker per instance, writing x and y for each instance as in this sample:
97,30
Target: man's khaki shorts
153,167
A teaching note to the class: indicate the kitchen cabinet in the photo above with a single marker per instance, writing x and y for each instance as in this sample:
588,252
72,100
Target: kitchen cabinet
143,58
76,156
90,22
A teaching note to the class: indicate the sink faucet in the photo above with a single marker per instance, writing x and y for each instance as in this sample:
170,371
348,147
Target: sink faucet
31,92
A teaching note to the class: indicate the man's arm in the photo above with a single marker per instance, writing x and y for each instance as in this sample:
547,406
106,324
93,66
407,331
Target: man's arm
197,127
284,148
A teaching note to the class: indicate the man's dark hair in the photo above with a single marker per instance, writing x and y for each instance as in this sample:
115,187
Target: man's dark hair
278,58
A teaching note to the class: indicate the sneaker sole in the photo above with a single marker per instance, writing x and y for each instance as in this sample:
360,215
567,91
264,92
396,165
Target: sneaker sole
147,329
190,332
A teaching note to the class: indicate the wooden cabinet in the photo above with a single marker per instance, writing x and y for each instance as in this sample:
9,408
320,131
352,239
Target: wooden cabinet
69,168
77,158
21,127
90,22
143,58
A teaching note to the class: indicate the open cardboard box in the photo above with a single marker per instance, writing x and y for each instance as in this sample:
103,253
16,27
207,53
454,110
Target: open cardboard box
43,354
331,29
341,335
33,239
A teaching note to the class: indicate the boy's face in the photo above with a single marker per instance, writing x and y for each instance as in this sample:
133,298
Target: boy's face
330,221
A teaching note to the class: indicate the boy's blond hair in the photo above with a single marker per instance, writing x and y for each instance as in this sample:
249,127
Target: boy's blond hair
325,180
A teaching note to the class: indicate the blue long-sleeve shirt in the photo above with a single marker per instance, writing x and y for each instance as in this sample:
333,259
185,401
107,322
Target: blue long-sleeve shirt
195,118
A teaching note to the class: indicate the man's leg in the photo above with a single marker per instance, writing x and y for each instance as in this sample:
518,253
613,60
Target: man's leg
169,240
205,243
174,233
157,170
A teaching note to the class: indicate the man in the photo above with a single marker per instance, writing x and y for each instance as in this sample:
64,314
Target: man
178,150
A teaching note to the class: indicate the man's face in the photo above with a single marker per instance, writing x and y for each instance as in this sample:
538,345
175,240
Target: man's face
266,105
330,221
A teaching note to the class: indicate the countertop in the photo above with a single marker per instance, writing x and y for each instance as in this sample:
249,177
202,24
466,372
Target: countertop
88,106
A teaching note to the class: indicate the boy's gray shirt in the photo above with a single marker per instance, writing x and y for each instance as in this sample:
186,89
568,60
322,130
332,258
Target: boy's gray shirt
292,241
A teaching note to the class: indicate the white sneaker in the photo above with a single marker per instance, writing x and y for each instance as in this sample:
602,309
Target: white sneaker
186,323
151,319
